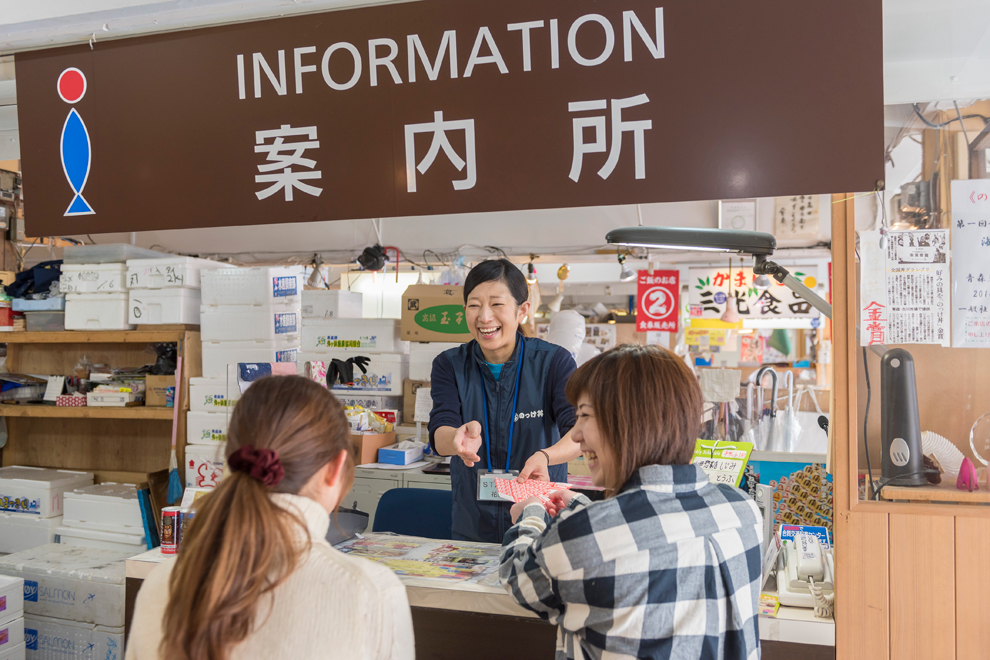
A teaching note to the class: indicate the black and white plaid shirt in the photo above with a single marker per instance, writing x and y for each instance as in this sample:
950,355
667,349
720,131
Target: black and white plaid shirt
668,568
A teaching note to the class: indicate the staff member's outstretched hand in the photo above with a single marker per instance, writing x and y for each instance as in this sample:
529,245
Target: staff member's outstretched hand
536,467
467,442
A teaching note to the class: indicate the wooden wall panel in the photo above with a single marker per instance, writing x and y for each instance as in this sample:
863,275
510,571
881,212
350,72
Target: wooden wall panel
972,588
922,587
862,616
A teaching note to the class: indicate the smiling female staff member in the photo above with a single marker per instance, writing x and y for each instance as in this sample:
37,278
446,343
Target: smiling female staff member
499,401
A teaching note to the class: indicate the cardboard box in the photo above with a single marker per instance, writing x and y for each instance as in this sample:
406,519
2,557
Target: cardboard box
395,456
409,388
366,446
160,391
431,312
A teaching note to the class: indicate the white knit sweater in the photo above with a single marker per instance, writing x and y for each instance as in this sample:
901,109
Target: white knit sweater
332,606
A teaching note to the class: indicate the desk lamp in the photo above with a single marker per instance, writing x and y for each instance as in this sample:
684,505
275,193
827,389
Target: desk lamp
901,459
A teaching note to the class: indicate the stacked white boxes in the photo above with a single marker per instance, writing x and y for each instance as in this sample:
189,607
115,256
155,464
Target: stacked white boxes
73,601
12,645
95,296
31,504
332,328
247,315
164,291
250,315
107,516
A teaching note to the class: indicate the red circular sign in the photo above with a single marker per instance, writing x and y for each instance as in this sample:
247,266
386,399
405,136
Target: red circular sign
71,85
656,302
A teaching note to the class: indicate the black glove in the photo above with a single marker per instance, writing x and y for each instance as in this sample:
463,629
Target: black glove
361,362
342,369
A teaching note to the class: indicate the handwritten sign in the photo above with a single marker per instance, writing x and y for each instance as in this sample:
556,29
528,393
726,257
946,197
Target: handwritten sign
711,290
723,462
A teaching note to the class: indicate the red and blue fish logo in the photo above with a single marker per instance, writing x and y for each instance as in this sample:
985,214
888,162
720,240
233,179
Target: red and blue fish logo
76,152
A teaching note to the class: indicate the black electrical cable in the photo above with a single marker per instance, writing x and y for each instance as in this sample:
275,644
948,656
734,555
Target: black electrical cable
866,419
932,124
911,474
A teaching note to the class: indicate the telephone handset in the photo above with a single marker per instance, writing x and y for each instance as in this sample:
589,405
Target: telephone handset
805,575
810,562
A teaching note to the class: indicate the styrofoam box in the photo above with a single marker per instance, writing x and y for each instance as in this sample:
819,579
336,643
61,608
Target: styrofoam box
212,394
69,582
11,598
204,465
386,371
369,401
164,306
93,278
36,490
206,428
11,634
18,652
251,286
249,322
48,638
94,538
96,311
336,304
109,507
23,531
218,355
170,273
379,335
422,355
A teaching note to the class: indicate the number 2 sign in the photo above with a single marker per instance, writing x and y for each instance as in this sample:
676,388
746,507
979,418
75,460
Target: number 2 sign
657,301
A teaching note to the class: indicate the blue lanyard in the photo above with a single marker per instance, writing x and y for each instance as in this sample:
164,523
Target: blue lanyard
515,399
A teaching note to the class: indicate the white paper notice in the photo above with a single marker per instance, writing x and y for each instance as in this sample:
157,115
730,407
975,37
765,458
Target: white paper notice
796,217
56,384
904,290
971,263
424,405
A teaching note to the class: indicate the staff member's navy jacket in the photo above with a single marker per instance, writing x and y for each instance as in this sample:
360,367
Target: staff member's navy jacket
543,415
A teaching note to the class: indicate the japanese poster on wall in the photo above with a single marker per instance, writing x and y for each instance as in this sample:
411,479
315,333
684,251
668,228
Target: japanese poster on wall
738,214
971,263
904,287
710,290
657,298
796,217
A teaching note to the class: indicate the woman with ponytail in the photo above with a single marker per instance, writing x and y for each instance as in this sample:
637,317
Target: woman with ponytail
256,578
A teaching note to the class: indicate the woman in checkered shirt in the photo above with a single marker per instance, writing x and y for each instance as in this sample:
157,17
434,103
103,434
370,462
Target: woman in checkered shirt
668,565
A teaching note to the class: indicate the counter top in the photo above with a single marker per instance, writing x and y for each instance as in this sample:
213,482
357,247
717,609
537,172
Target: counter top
792,624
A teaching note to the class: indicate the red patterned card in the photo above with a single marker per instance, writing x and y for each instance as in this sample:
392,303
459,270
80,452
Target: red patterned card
517,492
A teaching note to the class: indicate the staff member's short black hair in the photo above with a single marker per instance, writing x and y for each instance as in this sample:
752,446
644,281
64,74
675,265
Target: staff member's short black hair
498,270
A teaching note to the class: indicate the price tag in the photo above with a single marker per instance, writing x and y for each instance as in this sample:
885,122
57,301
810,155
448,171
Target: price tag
723,462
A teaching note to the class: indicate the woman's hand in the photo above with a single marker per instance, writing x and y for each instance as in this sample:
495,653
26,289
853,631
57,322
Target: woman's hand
537,467
467,442
559,499
518,507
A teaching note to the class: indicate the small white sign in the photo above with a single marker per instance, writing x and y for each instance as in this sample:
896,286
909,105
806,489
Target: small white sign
56,385
424,405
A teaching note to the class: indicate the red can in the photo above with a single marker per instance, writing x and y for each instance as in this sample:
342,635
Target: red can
171,529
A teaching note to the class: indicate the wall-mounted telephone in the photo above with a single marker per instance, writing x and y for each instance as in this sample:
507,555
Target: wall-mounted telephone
805,575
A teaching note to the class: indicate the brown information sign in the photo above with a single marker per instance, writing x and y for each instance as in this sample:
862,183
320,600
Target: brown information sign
451,106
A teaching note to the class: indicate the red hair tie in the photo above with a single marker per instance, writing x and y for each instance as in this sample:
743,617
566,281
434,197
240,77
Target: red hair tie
260,464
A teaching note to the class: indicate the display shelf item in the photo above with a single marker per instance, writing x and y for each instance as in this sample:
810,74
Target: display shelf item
250,322
252,286
164,306
169,273
93,278
96,311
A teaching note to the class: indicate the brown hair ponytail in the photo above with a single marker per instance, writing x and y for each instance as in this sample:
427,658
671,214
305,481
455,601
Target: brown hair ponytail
241,545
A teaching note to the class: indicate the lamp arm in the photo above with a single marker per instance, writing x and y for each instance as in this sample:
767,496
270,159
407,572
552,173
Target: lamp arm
782,275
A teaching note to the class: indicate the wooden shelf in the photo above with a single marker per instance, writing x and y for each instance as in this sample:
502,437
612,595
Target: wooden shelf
944,492
93,337
85,412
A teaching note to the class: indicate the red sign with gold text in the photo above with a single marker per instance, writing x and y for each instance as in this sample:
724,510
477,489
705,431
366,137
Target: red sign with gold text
657,300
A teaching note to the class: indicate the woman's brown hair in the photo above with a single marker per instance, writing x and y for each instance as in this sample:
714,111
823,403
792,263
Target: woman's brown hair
241,545
647,404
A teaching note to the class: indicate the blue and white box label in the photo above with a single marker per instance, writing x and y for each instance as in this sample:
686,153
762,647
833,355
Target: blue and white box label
285,286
